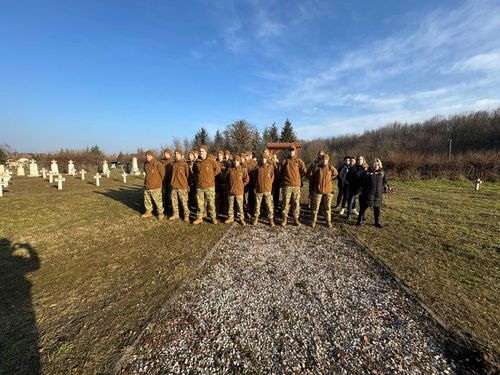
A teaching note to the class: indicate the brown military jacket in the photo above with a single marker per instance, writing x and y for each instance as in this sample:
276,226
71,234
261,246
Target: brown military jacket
321,178
205,172
155,172
264,177
291,171
180,174
237,178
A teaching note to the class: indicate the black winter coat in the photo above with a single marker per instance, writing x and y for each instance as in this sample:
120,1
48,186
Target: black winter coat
373,185
353,179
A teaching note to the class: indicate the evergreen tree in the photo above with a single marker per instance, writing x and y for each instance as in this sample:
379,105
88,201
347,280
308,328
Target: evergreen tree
201,138
274,133
3,155
218,141
287,132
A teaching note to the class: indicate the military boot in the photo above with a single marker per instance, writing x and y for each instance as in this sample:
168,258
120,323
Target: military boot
186,218
214,220
147,214
329,224
296,222
271,222
161,217
198,220
173,218
283,222
255,220
313,223
242,221
229,220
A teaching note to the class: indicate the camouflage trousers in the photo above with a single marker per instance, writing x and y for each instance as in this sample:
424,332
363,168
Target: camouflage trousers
291,194
317,199
208,195
239,201
269,204
181,195
155,196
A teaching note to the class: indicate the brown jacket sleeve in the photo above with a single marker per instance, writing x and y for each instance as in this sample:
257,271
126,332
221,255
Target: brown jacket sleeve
245,177
302,168
216,168
161,170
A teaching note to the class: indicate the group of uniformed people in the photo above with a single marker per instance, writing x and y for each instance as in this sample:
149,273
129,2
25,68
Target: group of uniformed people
238,184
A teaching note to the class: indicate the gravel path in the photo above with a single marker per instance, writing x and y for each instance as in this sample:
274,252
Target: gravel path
291,300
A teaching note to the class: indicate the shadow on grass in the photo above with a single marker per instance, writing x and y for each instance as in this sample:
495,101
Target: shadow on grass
19,336
131,197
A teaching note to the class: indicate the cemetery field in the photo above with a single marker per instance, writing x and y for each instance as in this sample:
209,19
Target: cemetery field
103,272
81,273
443,241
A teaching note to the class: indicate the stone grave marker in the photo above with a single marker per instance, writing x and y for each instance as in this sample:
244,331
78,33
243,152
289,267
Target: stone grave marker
33,169
135,167
54,168
44,173
97,178
71,168
20,170
51,177
82,173
124,175
105,167
2,169
59,181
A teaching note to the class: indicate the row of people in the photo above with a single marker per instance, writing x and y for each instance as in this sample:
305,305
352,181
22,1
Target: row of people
241,183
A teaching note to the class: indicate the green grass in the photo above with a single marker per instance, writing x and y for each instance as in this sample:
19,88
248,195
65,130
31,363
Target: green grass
443,241
103,273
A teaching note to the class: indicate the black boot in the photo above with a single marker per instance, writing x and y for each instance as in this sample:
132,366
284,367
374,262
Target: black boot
376,212
360,221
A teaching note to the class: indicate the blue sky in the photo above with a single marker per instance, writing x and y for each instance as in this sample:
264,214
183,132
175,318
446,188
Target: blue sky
127,74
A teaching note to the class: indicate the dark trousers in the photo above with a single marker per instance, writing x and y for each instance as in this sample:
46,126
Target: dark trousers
343,194
362,212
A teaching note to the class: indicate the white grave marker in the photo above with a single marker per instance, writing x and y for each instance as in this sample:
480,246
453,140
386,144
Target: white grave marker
54,168
135,167
44,173
33,169
124,175
105,167
71,168
97,177
20,170
2,169
107,173
51,177
82,173
59,181
3,184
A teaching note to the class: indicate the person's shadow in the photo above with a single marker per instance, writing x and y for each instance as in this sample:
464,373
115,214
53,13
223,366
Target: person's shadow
19,336
132,197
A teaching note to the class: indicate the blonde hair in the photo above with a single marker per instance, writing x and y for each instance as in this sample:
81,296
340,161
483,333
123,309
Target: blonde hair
376,160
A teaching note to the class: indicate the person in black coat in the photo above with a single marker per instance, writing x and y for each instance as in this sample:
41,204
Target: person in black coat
342,183
353,179
373,184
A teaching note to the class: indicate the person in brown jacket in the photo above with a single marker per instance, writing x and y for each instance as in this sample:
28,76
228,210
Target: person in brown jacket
179,182
192,157
205,170
321,178
237,178
153,180
167,190
316,162
292,169
264,177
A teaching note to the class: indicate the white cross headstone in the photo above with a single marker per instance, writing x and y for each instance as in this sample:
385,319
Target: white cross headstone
6,178
97,177
54,168
20,170
71,168
124,175
59,181
105,167
44,173
51,177
107,173
135,167
82,173
33,169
